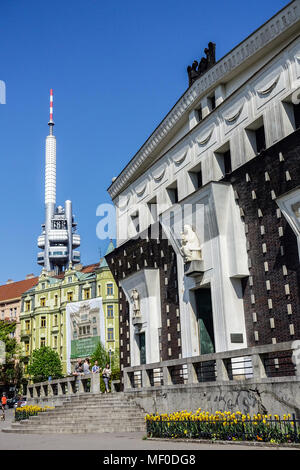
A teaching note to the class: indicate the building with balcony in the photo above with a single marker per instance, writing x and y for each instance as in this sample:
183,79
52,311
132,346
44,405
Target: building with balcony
43,309
208,224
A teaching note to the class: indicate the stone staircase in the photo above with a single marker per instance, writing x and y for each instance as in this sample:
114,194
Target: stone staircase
92,413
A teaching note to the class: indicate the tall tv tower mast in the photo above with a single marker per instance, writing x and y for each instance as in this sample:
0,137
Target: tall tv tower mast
58,232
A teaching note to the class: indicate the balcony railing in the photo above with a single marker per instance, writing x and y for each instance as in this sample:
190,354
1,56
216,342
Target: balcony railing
256,363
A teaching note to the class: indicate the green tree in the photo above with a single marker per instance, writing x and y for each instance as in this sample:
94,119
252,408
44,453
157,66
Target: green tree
102,356
10,371
44,363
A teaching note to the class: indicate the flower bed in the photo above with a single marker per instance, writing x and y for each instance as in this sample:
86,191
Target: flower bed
225,426
30,410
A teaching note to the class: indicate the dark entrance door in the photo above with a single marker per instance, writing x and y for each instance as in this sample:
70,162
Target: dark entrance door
205,321
142,347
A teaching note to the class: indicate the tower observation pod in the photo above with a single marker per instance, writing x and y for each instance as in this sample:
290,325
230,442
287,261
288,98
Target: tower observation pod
59,237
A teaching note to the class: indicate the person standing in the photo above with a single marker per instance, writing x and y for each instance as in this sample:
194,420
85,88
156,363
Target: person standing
86,366
96,369
106,376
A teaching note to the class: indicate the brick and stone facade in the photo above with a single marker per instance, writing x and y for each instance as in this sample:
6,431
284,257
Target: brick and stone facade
222,167
272,290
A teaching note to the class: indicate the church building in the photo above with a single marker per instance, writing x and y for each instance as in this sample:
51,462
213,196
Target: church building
208,209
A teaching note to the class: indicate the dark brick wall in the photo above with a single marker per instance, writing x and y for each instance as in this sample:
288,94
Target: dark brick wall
259,209
144,253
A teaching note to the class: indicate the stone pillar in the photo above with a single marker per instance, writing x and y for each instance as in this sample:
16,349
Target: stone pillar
259,371
167,376
192,376
127,382
70,387
222,373
60,389
145,378
80,385
95,383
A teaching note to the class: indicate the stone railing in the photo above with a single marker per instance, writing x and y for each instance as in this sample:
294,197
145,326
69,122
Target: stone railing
66,386
260,363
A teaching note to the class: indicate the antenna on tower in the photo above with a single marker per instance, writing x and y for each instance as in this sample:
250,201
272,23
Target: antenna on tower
51,122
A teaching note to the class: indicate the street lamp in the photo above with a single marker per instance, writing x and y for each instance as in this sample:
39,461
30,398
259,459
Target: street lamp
109,357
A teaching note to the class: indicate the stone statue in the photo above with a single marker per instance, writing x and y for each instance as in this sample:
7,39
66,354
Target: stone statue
135,298
190,245
196,70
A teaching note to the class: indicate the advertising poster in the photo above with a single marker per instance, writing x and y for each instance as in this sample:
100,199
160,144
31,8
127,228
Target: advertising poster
85,329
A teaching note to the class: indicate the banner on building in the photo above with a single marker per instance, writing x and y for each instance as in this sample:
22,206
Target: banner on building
85,329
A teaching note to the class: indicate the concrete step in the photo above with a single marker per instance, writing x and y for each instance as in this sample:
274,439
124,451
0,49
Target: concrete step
75,429
90,416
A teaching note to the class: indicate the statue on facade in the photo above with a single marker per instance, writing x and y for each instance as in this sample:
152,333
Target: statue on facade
190,245
135,298
197,69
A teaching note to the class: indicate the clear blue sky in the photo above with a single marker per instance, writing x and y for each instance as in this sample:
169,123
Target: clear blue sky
116,68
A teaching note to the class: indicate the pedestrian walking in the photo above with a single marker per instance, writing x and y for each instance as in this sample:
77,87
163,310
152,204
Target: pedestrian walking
106,376
3,405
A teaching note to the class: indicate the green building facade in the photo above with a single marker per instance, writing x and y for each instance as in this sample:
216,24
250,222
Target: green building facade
43,307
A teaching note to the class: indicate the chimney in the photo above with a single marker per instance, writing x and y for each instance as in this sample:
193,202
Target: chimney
9,281
29,276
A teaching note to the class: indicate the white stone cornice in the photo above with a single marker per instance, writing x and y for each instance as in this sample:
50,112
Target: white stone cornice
270,31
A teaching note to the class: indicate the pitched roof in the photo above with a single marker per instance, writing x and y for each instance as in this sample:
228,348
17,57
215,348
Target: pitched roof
16,289
110,248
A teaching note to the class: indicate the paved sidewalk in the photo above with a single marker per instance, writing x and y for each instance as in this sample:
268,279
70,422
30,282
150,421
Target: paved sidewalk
105,441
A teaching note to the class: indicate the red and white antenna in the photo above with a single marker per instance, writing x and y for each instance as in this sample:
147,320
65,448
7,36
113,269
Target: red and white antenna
51,122
51,105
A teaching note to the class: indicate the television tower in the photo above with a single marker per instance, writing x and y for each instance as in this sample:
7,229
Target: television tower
59,230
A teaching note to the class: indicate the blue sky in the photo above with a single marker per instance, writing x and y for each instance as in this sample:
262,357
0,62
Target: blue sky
116,68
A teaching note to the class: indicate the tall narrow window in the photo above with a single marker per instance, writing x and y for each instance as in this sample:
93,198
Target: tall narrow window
110,334
255,138
27,306
87,294
43,302
110,311
172,192
260,139
199,113
70,296
195,175
43,342
55,300
43,322
223,156
110,289
211,100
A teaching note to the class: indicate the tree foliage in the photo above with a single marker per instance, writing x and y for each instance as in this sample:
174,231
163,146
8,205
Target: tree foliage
102,356
10,371
44,363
